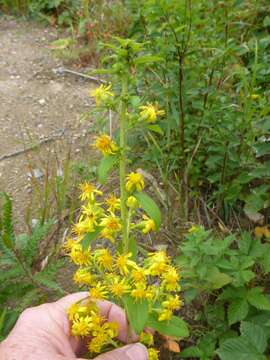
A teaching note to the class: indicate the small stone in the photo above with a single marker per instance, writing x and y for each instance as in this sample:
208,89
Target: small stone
42,102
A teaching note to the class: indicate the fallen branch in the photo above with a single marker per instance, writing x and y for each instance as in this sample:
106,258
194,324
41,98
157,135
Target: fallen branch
47,139
63,70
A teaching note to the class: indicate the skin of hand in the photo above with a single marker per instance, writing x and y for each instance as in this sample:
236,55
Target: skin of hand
43,333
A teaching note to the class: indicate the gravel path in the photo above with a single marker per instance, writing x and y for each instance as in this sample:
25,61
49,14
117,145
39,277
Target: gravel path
36,104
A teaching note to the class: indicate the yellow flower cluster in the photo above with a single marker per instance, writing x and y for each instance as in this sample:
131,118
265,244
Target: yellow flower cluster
111,276
87,322
103,217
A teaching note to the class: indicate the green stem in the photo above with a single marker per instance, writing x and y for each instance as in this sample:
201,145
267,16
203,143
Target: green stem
123,160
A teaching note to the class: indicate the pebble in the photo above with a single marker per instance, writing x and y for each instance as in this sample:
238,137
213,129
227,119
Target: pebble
42,102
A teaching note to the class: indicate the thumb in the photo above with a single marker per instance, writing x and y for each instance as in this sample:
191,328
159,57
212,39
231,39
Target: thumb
128,352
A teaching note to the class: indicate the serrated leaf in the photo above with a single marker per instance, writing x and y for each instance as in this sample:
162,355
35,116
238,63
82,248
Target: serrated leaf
239,348
255,335
175,327
257,299
137,313
149,206
218,279
105,165
237,310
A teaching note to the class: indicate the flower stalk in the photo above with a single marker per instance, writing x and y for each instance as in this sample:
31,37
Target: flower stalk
122,163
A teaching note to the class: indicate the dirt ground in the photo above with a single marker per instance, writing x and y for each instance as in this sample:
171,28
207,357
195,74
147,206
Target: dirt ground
38,106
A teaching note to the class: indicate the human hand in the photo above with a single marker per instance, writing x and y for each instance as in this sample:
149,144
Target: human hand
43,333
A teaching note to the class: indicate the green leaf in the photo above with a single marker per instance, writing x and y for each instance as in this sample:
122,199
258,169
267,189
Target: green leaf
255,335
89,237
218,279
175,327
105,165
147,59
192,351
257,299
239,348
149,206
237,310
155,128
137,313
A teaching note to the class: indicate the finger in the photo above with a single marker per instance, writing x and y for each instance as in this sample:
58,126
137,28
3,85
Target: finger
68,300
128,352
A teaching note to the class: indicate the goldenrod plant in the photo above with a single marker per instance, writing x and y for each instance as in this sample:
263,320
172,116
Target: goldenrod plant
146,286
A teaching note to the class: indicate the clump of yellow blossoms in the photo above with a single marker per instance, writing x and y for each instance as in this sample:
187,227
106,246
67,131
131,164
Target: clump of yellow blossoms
109,274
87,322
150,113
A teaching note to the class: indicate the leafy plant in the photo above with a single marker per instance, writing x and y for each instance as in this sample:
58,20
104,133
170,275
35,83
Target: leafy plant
228,274
22,278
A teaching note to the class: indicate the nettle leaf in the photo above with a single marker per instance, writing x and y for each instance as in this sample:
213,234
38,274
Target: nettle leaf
239,348
105,165
175,327
137,313
149,206
257,299
89,237
218,279
255,335
237,310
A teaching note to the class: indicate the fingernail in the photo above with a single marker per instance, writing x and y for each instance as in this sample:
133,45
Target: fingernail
136,352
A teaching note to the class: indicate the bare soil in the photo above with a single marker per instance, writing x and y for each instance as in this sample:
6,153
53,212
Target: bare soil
37,106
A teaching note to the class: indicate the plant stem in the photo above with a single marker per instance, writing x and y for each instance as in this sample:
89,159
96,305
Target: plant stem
123,160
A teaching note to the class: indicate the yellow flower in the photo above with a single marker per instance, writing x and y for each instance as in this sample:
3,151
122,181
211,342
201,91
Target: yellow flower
158,263
113,203
105,145
135,181
146,338
153,354
107,234
132,202
92,213
104,259
83,276
140,291
80,257
150,112
69,244
171,279
148,225
138,275
84,226
97,343
111,222
122,263
88,191
166,314
172,303
81,326
119,287
75,309
98,292
102,94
